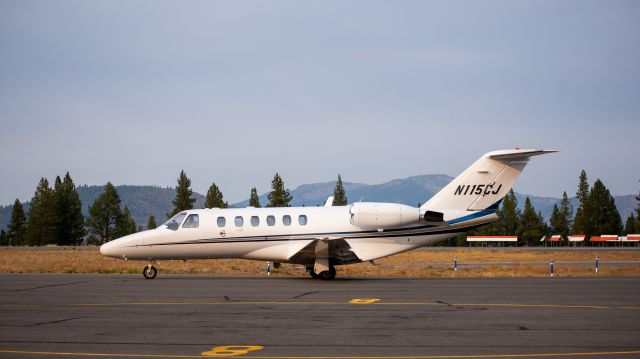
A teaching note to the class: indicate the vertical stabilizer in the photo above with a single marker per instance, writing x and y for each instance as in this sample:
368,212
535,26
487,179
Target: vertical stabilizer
484,183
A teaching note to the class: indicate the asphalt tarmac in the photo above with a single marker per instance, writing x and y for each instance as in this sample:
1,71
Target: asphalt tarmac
69,316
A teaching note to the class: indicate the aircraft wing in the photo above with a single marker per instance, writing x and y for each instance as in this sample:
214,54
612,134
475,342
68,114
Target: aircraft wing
337,250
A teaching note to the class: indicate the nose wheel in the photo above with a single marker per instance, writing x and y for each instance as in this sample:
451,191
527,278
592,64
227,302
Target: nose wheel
149,272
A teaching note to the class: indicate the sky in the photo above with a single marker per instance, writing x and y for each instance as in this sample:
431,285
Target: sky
235,91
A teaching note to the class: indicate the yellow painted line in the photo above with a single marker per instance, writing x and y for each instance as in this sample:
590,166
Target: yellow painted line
369,301
27,352
537,305
230,350
364,300
472,356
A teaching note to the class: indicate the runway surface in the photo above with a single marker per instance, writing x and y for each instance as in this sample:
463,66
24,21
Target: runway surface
68,316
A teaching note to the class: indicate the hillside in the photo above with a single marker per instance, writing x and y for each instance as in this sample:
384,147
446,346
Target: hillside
146,200
411,191
141,200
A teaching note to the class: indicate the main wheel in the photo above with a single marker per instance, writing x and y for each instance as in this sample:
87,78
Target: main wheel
328,275
312,273
149,272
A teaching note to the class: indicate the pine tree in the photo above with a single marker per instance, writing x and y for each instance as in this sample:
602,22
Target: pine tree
214,198
631,226
566,210
603,214
582,223
4,238
125,224
254,199
555,220
104,212
70,222
583,189
41,221
61,211
510,215
151,223
339,195
183,200
638,209
17,229
561,217
532,224
279,196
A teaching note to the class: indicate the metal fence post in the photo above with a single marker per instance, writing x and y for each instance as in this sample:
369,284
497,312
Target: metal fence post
551,268
455,264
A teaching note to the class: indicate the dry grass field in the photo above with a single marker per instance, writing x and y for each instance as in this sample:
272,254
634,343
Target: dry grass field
484,262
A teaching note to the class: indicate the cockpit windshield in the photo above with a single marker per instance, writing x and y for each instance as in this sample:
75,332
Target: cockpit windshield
176,220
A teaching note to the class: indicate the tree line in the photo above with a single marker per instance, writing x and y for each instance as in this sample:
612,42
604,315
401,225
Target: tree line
596,214
55,214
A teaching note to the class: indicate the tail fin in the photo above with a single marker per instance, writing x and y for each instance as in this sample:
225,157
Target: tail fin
484,183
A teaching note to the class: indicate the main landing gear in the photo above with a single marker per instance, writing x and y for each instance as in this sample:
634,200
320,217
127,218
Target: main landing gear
149,271
324,275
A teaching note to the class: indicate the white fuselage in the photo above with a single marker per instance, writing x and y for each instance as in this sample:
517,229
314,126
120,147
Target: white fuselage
278,241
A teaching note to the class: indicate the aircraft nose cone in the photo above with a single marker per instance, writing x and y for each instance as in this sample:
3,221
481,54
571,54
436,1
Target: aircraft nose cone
108,249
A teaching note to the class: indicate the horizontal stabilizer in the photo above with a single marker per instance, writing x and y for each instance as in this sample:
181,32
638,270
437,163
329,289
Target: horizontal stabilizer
517,155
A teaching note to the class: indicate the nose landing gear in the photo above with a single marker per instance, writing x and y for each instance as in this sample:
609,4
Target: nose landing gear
149,271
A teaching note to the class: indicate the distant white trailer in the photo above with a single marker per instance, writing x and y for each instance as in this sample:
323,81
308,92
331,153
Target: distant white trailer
493,239
577,238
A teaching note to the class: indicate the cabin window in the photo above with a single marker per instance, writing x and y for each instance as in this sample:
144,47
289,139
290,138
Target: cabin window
255,221
238,221
193,221
222,221
271,221
302,219
286,220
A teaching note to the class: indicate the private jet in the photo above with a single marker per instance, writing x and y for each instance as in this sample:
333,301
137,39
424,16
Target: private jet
321,238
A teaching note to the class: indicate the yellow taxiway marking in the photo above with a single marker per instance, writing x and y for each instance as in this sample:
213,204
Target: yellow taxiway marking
231,350
369,301
364,300
471,356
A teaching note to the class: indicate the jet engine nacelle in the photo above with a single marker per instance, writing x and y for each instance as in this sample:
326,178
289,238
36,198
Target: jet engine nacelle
382,215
